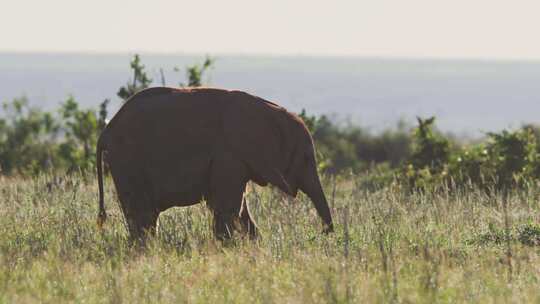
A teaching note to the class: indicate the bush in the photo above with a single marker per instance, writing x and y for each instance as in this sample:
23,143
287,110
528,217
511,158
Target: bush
529,234
350,147
32,140
505,160
27,137
81,130
428,163
513,156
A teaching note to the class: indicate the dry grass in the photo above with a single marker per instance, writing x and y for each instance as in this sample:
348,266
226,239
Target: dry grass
389,247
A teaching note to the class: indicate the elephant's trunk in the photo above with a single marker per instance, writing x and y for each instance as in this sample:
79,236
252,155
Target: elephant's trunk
312,187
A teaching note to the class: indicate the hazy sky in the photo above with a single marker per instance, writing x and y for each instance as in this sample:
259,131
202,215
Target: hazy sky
398,28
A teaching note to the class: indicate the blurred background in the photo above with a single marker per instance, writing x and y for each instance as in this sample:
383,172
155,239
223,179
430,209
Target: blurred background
473,64
358,72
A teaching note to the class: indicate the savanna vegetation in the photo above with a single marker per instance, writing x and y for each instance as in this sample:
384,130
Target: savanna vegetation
390,245
420,216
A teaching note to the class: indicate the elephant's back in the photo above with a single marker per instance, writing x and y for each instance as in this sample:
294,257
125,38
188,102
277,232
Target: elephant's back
159,102
161,122
163,106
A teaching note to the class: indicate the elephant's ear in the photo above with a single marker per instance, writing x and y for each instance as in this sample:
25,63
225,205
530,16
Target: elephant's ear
295,168
252,132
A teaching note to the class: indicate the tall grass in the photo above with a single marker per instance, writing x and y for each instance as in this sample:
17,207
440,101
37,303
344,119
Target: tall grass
390,246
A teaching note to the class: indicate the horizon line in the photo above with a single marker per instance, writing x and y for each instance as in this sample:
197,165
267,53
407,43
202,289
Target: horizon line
271,55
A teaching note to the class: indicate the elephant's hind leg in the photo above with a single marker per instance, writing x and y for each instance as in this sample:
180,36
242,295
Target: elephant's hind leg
144,225
137,205
141,217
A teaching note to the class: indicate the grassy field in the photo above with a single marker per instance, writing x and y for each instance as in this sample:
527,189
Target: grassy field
389,246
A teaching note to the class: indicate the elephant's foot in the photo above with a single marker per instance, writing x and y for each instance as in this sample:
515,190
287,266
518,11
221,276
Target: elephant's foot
227,226
142,227
224,225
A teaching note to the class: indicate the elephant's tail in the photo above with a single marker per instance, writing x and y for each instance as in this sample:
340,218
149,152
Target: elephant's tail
102,215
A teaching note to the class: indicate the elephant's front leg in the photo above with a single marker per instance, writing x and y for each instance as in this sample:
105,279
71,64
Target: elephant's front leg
226,205
227,184
224,224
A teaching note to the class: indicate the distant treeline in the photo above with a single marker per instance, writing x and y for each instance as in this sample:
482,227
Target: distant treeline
422,158
34,141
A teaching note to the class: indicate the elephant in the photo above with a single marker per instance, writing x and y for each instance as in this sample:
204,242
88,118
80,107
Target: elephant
168,147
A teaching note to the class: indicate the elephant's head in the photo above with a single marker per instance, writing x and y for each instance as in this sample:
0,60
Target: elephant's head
277,147
301,174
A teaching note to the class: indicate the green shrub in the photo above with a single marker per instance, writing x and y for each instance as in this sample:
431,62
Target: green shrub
350,147
27,138
428,163
430,149
140,79
506,159
529,234
494,235
195,73
470,165
514,157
